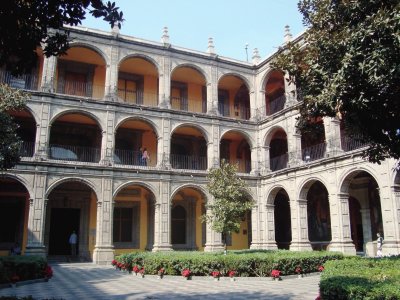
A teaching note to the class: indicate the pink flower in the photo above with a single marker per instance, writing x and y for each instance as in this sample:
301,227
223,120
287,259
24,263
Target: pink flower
135,269
216,274
231,273
321,268
186,273
276,273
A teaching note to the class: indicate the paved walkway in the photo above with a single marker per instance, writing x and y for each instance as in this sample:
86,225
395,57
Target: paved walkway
88,281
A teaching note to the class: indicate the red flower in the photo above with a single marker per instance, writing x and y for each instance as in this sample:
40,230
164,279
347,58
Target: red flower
231,273
161,271
298,270
321,268
186,273
48,272
215,274
114,262
141,271
136,269
276,273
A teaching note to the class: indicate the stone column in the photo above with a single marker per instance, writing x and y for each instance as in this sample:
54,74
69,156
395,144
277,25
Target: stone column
213,146
213,239
43,133
104,249
164,85
163,145
290,91
332,136
255,168
48,74
107,141
111,81
253,106
267,162
162,220
367,234
294,149
340,224
270,242
390,205
212,92
300,241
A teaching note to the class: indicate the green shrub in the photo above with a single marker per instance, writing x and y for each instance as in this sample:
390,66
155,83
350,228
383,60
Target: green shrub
249,263
361,278
25,267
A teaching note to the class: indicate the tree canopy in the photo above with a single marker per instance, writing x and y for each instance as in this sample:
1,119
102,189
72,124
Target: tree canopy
347,65
26,26
231,200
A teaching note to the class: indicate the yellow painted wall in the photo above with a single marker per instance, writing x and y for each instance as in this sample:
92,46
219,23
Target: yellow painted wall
199,226
240,240
150,90
92,223
99,82
194,97
149,141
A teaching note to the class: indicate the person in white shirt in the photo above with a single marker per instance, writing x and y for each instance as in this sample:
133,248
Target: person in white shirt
379,243
73,239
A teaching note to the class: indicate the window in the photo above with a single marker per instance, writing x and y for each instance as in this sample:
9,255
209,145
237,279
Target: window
126,225
178,225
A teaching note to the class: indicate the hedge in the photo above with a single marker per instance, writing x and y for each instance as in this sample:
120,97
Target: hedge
18,268
249,263
361,278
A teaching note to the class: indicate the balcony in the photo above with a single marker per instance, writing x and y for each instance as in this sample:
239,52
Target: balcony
188,162
241,113
27,149
352,143
22,82
279,162
191,105
74,153
81,89
138,97
314,152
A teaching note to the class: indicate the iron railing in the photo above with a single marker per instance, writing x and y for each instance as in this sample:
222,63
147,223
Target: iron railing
27,149
235,112
278,162
82,89
23,82
351,143
138,97
243,165
188,162
74,153
313,152
191,105
132,158
275,105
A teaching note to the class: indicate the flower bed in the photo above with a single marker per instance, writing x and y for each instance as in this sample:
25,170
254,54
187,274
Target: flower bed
14,269
361,278
244,263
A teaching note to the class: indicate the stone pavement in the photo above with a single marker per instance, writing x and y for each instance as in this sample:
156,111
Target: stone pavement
89,281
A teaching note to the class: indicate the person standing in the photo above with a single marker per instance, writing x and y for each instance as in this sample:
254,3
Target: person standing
73,239
379,244
145,157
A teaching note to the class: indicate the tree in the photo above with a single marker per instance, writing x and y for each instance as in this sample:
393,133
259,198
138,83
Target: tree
231,200
26,26
10,142
347,65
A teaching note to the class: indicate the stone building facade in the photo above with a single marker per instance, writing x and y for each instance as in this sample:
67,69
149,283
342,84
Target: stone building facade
95,111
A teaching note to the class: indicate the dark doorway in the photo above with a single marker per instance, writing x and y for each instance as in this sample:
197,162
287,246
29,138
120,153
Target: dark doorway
63,221
283,225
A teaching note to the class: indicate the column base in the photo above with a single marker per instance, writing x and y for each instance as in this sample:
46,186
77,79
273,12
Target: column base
103,255
214,247
346,247
300,246
159,248
36,250
264,246
390,247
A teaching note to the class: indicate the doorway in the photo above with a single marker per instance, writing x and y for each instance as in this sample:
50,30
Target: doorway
63,222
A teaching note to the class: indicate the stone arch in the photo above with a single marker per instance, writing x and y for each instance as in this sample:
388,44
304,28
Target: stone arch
151,123
307,183
94,48
192,66
145,185
348,175
142,56
196,187
195,126
242,132
267,76
273,191
270,133
77,111
85,181
241,77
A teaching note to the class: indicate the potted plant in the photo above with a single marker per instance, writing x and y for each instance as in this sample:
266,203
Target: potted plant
276,275
232,274
160,273
135,269
187,274
48,272
114,263
141,272
216,275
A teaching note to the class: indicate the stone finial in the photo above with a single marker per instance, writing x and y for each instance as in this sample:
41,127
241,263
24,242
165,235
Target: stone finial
256,56
288,36
165,36
211,48
115,28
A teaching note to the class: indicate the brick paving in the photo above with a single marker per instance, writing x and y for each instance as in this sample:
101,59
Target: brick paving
90,281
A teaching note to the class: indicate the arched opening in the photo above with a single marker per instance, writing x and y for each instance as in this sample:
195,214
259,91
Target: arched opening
188,149
313,146
132,139
275,98
75,137
188,90
233,98
14,210
283,225
81,72
187,230
72,206
138,82
26,131
278,151
365,211
235,149
319,218
31,80
349,143
133,219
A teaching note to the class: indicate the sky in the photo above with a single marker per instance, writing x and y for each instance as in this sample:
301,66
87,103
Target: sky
231,23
